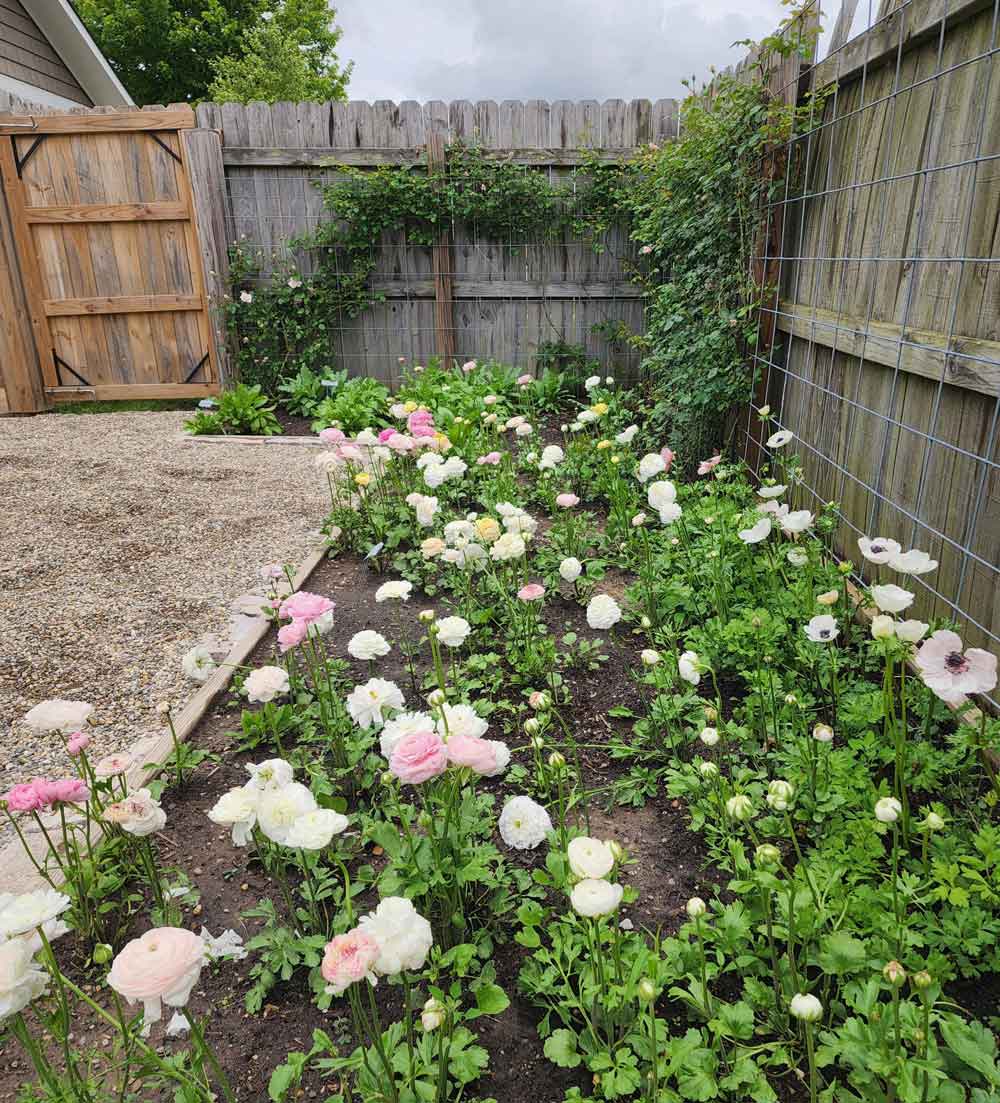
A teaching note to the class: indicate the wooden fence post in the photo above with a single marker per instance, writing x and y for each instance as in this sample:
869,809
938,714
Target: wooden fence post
207,179
444,318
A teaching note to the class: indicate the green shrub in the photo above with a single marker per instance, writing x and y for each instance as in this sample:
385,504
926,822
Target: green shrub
242,410
358,405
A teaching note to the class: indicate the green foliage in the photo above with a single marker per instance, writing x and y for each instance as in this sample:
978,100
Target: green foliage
303,392
242,410
171,51
359,404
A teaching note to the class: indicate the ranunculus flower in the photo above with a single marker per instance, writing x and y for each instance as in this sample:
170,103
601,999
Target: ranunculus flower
113,764
58,716
570,569
771,491
593,897
369,703
879,549
649,466
453,631
348,959
567,501
780,795
27,911
591,382
461,720
501,754
525,380
822,629
649,656
491,459
266,683
891,598
757,532
739,807
418,757
689,667
661,494
198,663
806,1007
393,591
476,754
23,798
590,857
626,436
951,673
888,810
306,607
603,612
552,455
22,980
523,823
162,966
77,743
367,645
400,726
709,465
139,814
510,546
314,830
274,773
278,809
64,791
291,635
236,809
403,936
533,591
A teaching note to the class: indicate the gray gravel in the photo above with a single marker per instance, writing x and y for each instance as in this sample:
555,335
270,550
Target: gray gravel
121,546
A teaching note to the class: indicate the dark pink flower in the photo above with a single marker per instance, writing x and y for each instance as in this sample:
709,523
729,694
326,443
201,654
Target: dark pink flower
667,455
305,606
23,798
77,742
69,790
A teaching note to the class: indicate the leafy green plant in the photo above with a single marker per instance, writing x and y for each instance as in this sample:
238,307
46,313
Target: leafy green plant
243,409
302,392
359,404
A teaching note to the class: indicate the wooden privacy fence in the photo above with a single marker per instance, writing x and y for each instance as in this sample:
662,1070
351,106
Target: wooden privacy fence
104,290
468,296
882,349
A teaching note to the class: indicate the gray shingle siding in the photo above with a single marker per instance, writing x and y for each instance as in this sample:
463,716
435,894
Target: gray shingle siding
26,55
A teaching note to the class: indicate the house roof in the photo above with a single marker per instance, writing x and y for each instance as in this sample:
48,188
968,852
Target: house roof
71,40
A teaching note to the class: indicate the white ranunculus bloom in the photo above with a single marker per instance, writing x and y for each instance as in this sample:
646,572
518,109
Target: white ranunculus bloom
649,657
453,631
552,456
461,720
523,823
29,910
425,506
139,814
593,897
757,532
280,808
525,429
275,773
891,598
396,729
570,569
509,546
771,491
669,513
883,627
369,703
265,683
780,438
520,522
661,494
797,557
795,522
603,612
888,810
393,591
237,809
368,645
403,936
822,629
878,549
22,980
689,667
315,829
911,631
709,736
626,436
198,663
591,382
58,716
460,530
913,562
806,1007
590,857
651,465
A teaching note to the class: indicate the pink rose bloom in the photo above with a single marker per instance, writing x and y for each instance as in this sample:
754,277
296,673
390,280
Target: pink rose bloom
952,674
532,592
23,798
162,966
332,436
708,465
524,380
567,501
349,958
477,754
492,458
383,437
399,442
418,757
291,635
667,455
77,742
305,606
66,791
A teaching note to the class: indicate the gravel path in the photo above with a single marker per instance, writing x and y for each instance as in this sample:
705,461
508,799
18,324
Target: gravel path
121,546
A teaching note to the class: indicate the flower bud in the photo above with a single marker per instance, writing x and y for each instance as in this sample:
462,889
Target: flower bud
646,990
432,1015
921,980
828,598
388,777
894,973
709,736
696,907
163,708
616,848
557,760
425,819
708,770
537,742
764,412
649,657
711,714
539,700
791,699
883,627
780,794
436,698
933,822
823,733
645,622
739,807
767,854
845,567
806,1008
532,725
426,616
103,953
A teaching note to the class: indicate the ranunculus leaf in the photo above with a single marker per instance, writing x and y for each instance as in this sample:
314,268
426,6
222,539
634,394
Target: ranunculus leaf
972,1044
560,1048
491,999
841,953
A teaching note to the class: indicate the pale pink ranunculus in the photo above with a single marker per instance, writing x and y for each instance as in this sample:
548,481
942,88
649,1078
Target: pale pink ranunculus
332,435
531,592
400,442
477,754
161,966
347,959
305,606
491,458
113,764
709,465
469,365
667,455
418,757
291,635
351,453
525,380
23,798
69,790
76,743
567,501
951,673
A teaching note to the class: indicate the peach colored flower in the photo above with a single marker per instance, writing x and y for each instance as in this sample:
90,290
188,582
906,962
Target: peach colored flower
161,966
349,958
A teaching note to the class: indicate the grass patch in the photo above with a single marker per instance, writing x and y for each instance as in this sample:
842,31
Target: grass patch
128,406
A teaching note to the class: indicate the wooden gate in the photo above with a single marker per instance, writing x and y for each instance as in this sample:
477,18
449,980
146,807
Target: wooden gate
102,238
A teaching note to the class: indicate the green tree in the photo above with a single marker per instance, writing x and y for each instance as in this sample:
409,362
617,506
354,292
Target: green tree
169,51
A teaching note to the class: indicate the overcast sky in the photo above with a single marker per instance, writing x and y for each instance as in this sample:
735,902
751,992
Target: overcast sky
541,49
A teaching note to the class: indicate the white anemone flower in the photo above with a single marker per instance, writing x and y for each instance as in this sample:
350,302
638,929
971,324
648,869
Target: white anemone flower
795,522
771,491
757,532
913,562
891,598
878,549
780,438
689,667
822,629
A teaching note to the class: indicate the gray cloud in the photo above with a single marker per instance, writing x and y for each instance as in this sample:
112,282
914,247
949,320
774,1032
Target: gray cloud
541,49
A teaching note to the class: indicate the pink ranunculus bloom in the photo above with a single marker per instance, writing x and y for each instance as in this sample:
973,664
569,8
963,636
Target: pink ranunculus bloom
383,437
951,673
291,635
347,959
423,432
351,453
23,798
567,501
65,791
492,458
400,442
469,365
77,742
477,754
646,250
305,606
418,757
420,423
531,592
667,455
333,435
709,465
161,966
525,380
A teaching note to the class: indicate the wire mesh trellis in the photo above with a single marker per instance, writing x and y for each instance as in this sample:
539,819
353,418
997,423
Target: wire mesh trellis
880,350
